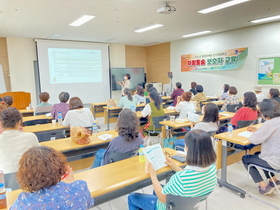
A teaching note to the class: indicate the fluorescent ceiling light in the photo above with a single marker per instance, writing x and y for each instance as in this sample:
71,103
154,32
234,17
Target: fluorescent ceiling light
266,19
196,34
148,28
82,20
222,6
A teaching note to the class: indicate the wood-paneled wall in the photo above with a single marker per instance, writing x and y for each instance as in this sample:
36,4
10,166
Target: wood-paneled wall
135,56
4,61
158,63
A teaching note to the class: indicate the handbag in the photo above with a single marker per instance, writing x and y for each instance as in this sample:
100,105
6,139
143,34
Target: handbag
80,135
168,142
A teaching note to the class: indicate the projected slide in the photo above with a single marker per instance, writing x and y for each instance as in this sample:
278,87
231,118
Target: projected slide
74,65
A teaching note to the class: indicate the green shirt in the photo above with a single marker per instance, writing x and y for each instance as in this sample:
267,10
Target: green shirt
154,113
126,103
191,182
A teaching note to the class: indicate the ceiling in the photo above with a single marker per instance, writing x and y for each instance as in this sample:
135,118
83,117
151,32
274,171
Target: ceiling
116,20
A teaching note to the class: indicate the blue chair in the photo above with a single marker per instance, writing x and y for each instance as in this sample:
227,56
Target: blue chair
36,122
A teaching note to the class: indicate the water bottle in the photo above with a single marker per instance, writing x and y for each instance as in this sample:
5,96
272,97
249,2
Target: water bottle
2,177
141,154
59,118
94,129
133,108
30,106
230,130
3,199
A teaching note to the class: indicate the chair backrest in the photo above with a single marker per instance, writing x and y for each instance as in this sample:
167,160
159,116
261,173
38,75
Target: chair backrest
36,122
245,123
175,202
114,157
11,181
232,107
41,113
212,133
156,121
50,135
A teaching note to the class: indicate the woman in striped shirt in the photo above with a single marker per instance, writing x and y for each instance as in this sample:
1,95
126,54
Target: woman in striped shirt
198,178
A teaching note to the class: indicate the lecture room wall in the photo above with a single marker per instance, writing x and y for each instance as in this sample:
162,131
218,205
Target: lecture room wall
261,40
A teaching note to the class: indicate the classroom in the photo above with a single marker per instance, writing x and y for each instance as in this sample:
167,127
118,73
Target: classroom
137,78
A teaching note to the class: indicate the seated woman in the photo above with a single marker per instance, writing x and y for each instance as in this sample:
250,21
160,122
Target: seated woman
62,107
128,140
153,109
249,111
225,93
151,90
268,136
41,170
78,115
210,121
199,97
193,88
8,100
139,95
13,143
44,106
184,105
3,106
177,92
274,94
127,101
198,178
232,99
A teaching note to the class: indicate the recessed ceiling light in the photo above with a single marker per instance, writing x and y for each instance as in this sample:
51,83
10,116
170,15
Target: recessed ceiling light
266,19
82,20
222,6
148,28
196,34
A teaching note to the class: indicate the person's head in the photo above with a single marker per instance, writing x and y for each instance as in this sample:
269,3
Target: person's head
274,93
127,77
200,150
178,85
232,90
64,97
3,106
10,118
1,99
199,88
155,98
75,103
250,100
257,89
140,91
226,87
127,92
40,167
269,108
211,113
151,89
186,96
193,85
44,97
8,100
128,125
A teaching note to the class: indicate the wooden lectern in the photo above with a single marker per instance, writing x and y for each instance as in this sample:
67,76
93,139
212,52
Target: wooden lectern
21,99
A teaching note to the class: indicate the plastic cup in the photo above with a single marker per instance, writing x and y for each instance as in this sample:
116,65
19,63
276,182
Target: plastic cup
54,122
28,108
172,118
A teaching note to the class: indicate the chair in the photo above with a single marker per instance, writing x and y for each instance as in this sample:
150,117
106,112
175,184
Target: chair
41,113
50,135
114,157
175,202
36,122
232,107
156,126
247,184
245,123
11,181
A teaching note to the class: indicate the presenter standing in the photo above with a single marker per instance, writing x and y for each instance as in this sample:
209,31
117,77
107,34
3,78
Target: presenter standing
125,83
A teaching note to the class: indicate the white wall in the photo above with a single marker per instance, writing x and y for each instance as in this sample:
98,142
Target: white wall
117,55
261,40
21,54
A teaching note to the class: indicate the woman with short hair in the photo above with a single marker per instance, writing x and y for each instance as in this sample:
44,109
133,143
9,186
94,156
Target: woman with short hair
125,83
44,106
198,178
184,105
193,88
8,100
40,174
274,94
78,116
62,107
225,92
199,97
232,99
139,95
268,136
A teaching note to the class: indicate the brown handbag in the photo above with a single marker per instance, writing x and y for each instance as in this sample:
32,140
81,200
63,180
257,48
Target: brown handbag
80,135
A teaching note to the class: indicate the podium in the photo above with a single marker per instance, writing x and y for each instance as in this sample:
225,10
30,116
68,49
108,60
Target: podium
21,99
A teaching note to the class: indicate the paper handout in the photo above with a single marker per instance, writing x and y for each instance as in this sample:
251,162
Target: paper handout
155,156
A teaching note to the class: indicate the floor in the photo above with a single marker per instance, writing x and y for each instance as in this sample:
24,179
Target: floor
220,199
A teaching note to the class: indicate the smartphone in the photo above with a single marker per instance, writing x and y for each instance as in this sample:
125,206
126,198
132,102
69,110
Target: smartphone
179,158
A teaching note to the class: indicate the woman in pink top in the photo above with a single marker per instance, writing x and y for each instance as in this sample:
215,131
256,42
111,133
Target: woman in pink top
62,107
249,111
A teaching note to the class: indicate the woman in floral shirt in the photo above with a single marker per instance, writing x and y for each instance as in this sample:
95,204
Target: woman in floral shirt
62,107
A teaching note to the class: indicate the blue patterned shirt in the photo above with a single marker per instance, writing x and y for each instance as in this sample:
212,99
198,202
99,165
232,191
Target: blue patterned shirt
63,196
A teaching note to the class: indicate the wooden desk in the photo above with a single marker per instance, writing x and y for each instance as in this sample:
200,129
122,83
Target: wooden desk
104,186
218,103
25,112
212,98
44,127
37,117
97,109
222,150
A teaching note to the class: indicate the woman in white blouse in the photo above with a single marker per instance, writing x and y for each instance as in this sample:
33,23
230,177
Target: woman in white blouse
125,83
184,105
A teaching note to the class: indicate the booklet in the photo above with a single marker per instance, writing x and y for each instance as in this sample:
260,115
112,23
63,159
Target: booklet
105,137
155,156
246,134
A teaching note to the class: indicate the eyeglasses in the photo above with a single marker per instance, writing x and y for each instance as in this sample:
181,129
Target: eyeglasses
167,154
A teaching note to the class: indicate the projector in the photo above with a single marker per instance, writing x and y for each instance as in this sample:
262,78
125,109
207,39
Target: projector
166,9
